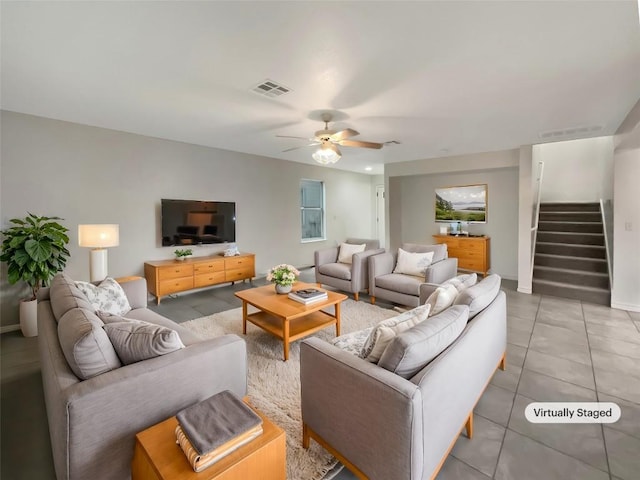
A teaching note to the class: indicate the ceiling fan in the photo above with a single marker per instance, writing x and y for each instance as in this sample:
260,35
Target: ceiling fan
329,140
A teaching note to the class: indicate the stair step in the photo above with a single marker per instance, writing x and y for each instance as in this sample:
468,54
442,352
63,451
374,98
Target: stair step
578,216
571,238
598,265
583,227
569,207
571,250
573,277
600,296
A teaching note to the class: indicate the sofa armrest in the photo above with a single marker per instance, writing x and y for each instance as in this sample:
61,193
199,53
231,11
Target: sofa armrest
103,413
441,271
136,291
327,255
348,402
426,289
360,267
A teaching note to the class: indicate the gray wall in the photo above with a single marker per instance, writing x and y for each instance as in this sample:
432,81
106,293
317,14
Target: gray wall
92,175
413,212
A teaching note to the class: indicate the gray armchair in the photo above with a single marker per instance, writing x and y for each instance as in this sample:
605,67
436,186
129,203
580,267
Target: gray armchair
406,289
352,278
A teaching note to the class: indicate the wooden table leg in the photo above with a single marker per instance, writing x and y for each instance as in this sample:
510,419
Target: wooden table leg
244,317
338,319
285,339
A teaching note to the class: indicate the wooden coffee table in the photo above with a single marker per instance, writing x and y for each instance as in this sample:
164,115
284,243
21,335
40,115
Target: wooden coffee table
287,319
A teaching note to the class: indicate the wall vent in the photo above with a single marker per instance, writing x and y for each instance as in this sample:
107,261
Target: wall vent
269,88
571,132
392,142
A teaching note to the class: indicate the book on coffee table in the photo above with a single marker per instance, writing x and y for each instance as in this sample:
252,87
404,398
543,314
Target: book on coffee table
308,295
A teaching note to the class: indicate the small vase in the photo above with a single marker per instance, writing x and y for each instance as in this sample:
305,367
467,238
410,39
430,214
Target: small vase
283,289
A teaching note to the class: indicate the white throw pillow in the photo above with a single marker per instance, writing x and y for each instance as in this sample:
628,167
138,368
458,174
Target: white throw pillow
411,263
346,251
462,282
442,298
107,297
382,334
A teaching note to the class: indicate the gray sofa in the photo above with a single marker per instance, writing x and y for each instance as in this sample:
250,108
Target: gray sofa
93,422
352,278
405,289
401,425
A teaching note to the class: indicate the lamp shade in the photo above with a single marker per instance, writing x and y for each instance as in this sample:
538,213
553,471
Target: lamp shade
327,153
99,235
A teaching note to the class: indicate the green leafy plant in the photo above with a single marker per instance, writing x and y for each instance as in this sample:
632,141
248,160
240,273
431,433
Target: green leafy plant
34,249
183,252
283,274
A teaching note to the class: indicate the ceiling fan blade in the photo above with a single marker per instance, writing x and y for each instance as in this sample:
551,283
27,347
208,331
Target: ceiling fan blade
303,146
342,134
290,136
359,143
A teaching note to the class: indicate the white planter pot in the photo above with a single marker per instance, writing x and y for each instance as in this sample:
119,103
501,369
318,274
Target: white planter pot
29,318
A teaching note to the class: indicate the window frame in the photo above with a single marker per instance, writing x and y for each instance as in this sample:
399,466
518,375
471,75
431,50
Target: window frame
322,209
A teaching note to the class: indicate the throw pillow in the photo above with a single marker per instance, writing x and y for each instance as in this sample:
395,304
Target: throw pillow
480,295
383,333
352,342
135,340
462,282
411,263
346,251
442,298
412,350
85,344
107,297
64,296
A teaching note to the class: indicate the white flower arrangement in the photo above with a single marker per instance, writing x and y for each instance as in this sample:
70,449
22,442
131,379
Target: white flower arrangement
283,274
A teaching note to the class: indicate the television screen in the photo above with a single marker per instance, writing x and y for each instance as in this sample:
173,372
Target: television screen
192,222
462,204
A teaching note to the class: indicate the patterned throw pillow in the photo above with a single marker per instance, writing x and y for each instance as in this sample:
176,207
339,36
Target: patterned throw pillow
107,297
411,263
382,334
345,254
442,298
352,342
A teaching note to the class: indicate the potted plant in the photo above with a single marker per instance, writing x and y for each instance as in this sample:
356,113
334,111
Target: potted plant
283,276
183,253
34,249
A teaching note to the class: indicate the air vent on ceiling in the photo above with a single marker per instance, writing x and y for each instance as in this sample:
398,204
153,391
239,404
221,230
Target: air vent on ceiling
571,132
392,142
269,88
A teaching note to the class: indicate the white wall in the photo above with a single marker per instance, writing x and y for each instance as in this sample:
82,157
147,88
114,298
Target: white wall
527,174
411,187
576,170
92,175
626,223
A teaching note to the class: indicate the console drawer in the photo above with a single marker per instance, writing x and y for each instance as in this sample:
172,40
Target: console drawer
208,267
239,274
175,272
206,279
237,262
175,285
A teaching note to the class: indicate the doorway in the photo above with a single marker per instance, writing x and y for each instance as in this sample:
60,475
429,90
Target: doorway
380,219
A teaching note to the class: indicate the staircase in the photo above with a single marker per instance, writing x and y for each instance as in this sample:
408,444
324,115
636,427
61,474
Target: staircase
570,259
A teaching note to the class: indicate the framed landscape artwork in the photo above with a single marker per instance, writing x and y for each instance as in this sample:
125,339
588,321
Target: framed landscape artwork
462,204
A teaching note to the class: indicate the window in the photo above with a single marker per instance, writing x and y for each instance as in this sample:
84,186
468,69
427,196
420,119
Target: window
312,210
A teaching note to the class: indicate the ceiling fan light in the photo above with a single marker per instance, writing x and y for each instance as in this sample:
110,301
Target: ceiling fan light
327,154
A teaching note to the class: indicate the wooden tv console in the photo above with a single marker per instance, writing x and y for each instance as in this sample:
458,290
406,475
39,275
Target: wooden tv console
171,276
473,253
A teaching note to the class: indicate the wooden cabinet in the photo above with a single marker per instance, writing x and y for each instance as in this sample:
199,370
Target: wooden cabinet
473,253
171,276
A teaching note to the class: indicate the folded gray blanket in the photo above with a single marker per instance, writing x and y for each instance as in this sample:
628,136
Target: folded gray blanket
216,420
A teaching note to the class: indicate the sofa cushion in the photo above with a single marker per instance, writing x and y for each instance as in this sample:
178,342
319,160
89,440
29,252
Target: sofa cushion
85,344
462,282
480,295
135,340
411,263
188,337
410,351
346,251
64,296
385,331
107,297
442,298
401,283
336,270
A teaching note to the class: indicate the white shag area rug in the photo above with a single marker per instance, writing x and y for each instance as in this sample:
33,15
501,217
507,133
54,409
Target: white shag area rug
274,385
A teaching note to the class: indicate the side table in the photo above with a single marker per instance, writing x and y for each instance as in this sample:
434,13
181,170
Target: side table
157,456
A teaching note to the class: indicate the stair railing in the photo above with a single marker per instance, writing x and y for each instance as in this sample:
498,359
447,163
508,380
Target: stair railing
606,210
536,215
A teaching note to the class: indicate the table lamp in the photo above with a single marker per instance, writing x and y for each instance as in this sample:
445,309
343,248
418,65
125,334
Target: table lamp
98,238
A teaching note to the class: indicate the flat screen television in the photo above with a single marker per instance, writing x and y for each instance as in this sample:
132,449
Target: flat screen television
193,222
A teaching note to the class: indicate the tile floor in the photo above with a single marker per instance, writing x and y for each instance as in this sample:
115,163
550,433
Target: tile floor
558,350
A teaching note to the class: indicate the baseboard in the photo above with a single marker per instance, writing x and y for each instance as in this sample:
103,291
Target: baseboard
526,290
9,328
626,306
